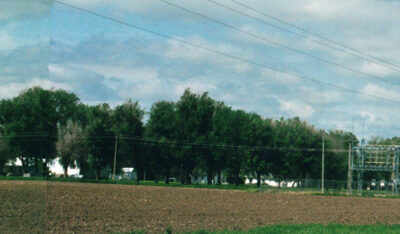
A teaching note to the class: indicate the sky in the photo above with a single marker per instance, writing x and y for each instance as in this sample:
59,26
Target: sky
44,43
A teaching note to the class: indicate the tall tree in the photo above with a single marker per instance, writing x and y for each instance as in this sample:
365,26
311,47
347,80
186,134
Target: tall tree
260,139
336,163
70,145
4,156
206,114
5,112
291,137
162,126
100,138
238,123
220,136
128,123
194,118
32,127
66,107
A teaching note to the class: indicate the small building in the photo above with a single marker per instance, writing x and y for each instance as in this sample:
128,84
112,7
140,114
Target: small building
127,173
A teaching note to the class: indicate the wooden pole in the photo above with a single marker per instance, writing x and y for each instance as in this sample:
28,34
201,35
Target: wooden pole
349,172
115,156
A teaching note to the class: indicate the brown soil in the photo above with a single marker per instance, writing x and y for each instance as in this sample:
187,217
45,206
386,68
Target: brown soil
54,207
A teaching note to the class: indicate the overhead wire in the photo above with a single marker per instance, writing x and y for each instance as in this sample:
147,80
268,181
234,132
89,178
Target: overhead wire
177,142
302,36
279,44
223,53
313,33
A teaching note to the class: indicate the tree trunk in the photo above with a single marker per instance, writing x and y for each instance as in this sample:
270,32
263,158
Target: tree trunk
138,175
219,178
209,177
167,175
188,178
258,179
98,173
65,171
237,179
183,177
23,164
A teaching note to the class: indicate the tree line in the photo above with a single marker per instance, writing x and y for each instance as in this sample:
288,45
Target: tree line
195,135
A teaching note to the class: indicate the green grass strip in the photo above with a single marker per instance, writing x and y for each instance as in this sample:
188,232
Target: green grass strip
316,228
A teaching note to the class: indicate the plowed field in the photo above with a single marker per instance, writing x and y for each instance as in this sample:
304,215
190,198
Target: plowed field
54,207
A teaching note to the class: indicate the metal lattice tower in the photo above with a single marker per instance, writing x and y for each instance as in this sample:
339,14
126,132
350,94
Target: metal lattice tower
376,158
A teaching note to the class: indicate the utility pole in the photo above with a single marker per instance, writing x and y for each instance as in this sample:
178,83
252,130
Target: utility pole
323,164
349,172
115,155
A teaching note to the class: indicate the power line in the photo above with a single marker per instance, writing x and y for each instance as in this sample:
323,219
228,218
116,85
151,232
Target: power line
177,143
301,35
279,44
312,33
230,146
224,54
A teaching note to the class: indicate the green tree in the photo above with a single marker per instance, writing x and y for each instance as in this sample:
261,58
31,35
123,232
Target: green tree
220,137
237,125
259,138
4,155
100,139
5,115
194,121
293,138
162,126
66,107
31,128
205,114
337,161
128,124
70,145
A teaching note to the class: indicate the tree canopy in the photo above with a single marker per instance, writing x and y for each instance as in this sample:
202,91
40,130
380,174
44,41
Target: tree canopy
193,136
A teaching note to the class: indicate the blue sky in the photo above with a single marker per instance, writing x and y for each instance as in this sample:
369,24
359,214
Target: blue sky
47,44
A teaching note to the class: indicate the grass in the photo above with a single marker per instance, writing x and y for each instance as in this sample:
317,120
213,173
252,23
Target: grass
317,228
304,229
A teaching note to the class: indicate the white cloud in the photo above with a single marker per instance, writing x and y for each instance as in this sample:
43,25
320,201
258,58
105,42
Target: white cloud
197,85
15,10
376,69
58,70
301,110
368,116
382,92
126,73
328,9
13,89
242,68
7,42
279,77
317,95
178,50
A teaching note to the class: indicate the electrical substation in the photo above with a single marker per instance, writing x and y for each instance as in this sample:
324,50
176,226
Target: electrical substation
374,158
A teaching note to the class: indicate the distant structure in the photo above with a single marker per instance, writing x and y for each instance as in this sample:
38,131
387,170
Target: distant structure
375,158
